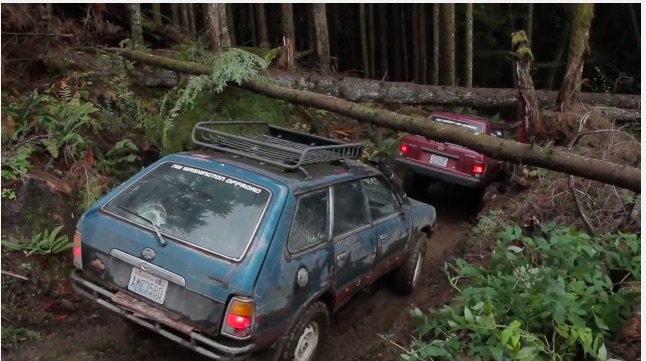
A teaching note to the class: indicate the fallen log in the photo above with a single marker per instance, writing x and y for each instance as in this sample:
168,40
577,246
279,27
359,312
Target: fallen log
507,150
168,79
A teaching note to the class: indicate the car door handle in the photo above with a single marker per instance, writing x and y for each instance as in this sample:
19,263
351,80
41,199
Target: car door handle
340,256
383,236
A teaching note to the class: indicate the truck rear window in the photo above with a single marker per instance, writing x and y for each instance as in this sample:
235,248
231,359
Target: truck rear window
477,127
209,210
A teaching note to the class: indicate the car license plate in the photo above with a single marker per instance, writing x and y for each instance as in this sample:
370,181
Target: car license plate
147,285
439,160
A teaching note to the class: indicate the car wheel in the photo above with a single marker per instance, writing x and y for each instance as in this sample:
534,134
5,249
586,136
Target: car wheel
407,275
308,336
415,185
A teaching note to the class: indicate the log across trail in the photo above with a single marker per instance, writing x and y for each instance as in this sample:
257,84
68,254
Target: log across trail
507,150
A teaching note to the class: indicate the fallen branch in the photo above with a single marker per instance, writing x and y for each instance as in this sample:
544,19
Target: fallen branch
14,275
506,150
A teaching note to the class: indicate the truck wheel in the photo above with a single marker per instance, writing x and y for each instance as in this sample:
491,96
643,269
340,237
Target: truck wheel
415,185
407,275
308,336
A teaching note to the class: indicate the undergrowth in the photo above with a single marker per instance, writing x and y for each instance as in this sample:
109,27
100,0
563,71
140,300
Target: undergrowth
546,297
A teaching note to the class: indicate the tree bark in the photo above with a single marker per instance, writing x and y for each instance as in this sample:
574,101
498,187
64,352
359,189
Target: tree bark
423,66
404,41
364,40
558,57
583,14
383,39
225,39
212,21
287,57
528,110
262,24
183,9
436,44
136,31
494,147
157,18
530,22
252,20
322,40
191,19
448,40
416,35
371,31
175,10
395,52
469,45
231,23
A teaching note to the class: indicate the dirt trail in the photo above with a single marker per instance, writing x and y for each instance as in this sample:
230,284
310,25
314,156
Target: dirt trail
90,333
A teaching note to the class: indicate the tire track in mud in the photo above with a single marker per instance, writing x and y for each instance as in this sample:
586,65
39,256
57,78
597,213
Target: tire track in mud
91,333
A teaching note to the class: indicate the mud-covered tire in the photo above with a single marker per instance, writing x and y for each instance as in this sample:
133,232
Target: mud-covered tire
415,185
313,322
406,277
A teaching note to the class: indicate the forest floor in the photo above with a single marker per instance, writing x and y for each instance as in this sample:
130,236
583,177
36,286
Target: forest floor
366,329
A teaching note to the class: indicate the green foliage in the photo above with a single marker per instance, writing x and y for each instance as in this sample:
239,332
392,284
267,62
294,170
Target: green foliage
381,145
13,335
540,298
41,244
487,227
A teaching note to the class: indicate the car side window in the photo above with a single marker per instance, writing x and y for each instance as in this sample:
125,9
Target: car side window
349,207
381,200
310,225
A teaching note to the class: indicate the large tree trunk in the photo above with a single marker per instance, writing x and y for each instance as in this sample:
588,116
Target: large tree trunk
225,39
231,23
322,40
136,31
175,10
405,42
183,10
530,22
423,66
468,68
528,110
583,14
262,25
287,57
371,31
369,90
364,40
191,19
395,52
416,33
212,21
252,20
383,39
157,16
448,43
497,148
436,44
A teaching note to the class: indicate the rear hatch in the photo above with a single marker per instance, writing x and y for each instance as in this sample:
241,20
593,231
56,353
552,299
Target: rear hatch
445,156
201,249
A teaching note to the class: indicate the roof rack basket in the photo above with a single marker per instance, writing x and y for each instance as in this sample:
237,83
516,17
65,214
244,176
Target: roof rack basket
285,148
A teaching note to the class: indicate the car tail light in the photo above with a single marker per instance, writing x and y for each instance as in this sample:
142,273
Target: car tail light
76,250
238,319
403,148
478,168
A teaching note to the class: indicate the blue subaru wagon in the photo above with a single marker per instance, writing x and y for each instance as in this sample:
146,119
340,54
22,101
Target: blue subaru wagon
243,250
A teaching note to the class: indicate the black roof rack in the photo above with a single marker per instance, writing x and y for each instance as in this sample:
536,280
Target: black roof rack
285,148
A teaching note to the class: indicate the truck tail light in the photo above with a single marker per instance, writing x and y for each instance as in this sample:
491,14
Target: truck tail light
403,148
76,250
478,169
238,319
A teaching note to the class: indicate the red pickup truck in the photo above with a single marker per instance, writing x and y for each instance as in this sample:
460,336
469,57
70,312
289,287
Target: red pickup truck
425,160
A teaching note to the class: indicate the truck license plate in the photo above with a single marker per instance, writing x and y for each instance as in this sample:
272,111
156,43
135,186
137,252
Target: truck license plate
439,160
147,285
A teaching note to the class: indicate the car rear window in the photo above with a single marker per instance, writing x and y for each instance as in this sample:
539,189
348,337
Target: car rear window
477,127
207,209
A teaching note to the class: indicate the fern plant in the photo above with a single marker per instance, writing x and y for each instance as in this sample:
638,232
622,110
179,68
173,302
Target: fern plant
228,66
41,244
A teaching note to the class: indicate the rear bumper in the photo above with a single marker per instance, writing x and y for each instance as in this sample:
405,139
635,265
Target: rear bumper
195,341
403,164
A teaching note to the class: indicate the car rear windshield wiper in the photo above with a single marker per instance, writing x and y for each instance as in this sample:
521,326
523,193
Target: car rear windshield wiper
162,241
